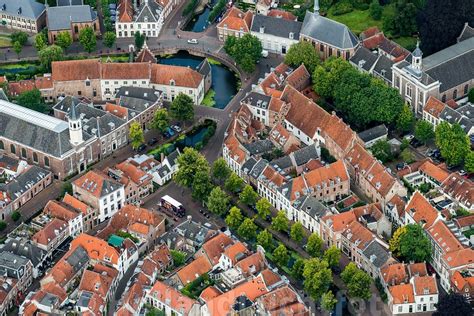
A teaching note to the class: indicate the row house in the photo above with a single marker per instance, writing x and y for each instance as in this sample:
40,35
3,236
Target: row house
18,268
68,214
101,81
22,246
462,283
234,23
101,192
424,171
145,225
281,301
52,235
459,190
18,190
373,63
419,211
436,112
170,301
138,184
89,214
372,177
9,294
43,83
161,172
375,40
49,299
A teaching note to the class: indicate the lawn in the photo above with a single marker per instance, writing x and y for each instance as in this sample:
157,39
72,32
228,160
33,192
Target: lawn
116,58
209,98
407,42
5,41
357,20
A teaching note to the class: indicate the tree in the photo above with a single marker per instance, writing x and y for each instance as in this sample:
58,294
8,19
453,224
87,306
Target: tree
403,22
298,268
469,162
201,185
136,135
234,218
218,201
280,222
234,183
410,243
139,40
17,48
178,257
424,131
414,245
109,39
394,242
405,119
265,239
332,255
382,151
161,120
314,246
452,142
220,170
470,95
407,156
453,304
32,99
190,162
248,195
358,284
87,39
375,10
349,271
3,225
280,255
49,54
182,107
41,41
20,37
16,216
297,232
318,277
64,40
441,21
263,208
246,51
302,53
247,229
328,301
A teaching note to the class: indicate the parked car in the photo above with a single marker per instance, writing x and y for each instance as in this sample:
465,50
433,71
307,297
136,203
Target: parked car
192,41
152,141
141,148
177,128
401,166
409,137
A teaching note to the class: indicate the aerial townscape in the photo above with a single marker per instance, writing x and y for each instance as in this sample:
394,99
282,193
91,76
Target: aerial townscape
236,158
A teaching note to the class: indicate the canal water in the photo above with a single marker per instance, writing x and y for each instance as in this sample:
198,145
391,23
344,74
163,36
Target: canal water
199,21
224,81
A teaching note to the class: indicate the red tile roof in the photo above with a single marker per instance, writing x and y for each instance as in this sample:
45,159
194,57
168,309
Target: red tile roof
216,246
421,210
68,70
459,258
402,294
93,181
193,270
236,20
75,203
394,273
425,285
282,14
125,71
434,107
253,264
444,237
182,76
50,231
209,293
435,172
61,210
171,297
96,248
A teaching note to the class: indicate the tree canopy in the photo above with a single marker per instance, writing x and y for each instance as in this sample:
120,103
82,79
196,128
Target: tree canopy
248,195
453,305
20,37
297,232
220,170
317,277
88,39
411,244
136,135
161,120
246,51
332,255
109,39
190,162
49,54
139,40
452,142
41,41
182,107
328,301
405,119
218,201
424,131
363,100
265,239
314,246
280,222
247,229
32,99
234,218
234,183
302,53
281,256
357,282
382,151
201,185
263,208
64,40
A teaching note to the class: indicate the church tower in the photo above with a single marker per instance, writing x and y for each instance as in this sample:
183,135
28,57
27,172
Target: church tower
416,61
75,126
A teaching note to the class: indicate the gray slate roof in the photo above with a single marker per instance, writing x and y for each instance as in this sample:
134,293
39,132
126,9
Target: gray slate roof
373,133
364,58
29,8
149,11
311,206
204,68
24,181
78,259
60,18
466,33
248,165
282,163
376,253
276,26
60,3
26,249
257,100
383,68
328,31
305,154
173,156
259,147
148,94
258,168
10,261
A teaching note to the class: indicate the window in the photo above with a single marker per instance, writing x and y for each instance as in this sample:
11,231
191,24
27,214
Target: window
23,152
455,93
466,87
12,149
408,91
321,47
443,98
76,29
2,146
35,157
46,161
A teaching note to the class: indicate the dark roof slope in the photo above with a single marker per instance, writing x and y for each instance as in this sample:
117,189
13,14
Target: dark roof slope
276,26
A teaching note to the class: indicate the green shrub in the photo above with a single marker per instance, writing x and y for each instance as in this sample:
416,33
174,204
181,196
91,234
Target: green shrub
471,95
342,8
189,8
16,216
3,225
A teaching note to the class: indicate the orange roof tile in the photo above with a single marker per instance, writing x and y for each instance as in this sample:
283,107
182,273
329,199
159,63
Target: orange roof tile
50,231
161,255
132,172
117,110
339,132
221,305
421,210
236,20
171,297
75,203
253,264
339,221
16,88
357,234
394,273
194,270
459,258
94,182
425,285
294,309
269,277
417,269
96,248
233,251
444,237
434,107
299,75
278,298
182,76
282,14
216,246
125,70
61,210
324,175
125,8
44,82
98,283
83,69
433,171
209,293
402,294
464,221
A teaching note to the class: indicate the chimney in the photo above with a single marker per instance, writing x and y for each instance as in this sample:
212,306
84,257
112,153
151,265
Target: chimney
316,7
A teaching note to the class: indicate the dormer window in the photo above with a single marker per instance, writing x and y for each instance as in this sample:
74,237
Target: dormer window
292,35
262,29
172,82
